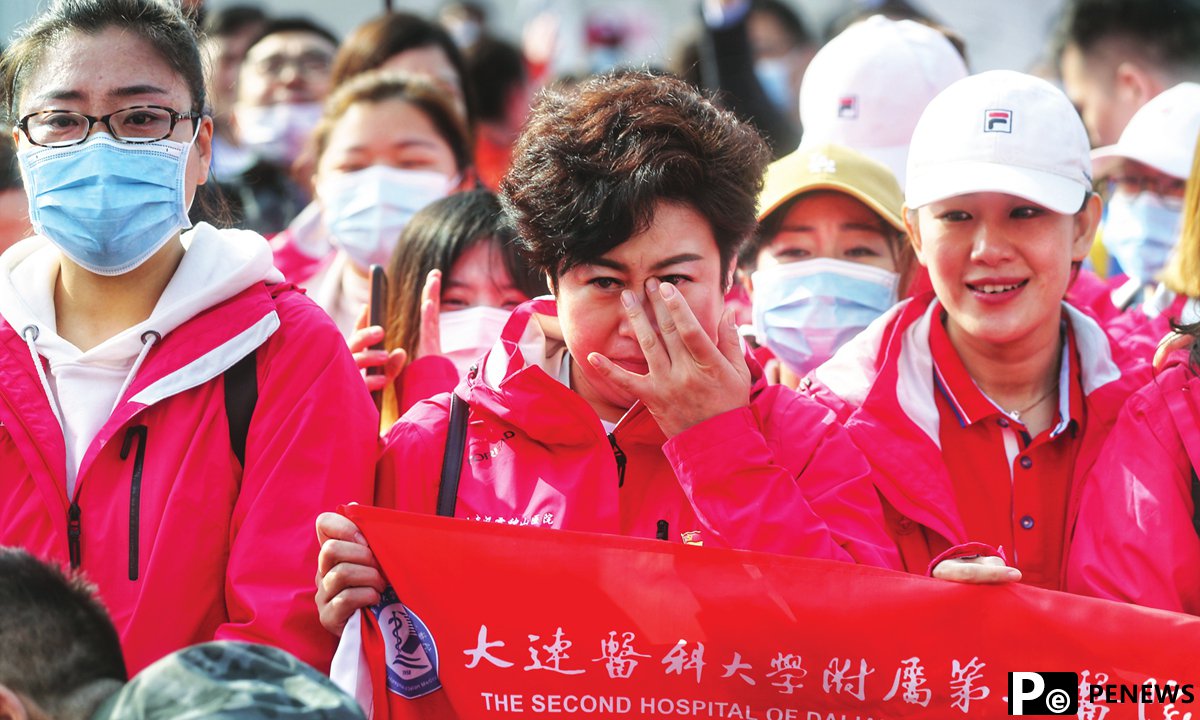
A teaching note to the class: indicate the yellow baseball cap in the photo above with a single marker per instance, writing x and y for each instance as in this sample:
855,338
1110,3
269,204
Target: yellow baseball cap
832,167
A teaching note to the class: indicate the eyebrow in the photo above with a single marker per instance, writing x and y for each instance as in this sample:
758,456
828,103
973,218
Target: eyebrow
129,91
673,260
403,144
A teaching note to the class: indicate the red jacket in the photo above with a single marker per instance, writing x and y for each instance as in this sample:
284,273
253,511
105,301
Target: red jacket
1134,539
199,549
881,385
779,475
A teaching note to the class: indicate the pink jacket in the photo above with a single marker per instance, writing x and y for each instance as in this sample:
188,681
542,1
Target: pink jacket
881,385
184,545
1134,539
779,475
1142,328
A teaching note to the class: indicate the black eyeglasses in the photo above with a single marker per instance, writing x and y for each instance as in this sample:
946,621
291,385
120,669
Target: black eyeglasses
138,124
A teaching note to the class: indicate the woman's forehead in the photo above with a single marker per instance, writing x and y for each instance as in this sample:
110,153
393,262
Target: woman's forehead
112,67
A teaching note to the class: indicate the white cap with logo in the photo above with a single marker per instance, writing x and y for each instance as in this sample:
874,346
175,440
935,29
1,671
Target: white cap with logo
1000,131
866,88
1161,134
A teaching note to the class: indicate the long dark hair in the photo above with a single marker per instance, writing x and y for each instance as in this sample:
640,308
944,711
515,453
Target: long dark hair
433,240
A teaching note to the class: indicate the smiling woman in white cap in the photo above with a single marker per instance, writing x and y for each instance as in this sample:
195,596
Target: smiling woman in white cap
980,404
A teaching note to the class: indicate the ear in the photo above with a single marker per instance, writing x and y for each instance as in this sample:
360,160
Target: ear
748,283
913,229
1135,84
203,148
550,286
11,707
1086,221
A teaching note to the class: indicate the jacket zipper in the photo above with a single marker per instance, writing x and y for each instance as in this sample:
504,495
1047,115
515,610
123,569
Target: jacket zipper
619,456
73,531
135,491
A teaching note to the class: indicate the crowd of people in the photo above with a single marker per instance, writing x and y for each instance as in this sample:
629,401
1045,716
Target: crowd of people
852,302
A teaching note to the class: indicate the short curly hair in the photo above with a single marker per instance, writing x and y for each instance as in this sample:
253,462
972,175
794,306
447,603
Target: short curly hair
594,161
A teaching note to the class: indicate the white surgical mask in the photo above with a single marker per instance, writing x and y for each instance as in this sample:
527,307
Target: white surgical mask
1140,232
467,334
366,210
277,132
804,311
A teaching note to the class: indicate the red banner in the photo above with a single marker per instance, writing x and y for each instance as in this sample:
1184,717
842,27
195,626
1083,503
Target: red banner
511,622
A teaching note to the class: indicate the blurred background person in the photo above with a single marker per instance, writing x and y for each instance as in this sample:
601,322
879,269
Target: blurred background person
1115,55
388,145
867,87
754,52
14,204
498,79
283,81
465,21
407,43
228,33
1146,171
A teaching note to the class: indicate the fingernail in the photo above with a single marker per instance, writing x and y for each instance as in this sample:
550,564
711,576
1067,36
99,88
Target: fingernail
668,290
652,285
627,298
594,359
358,538
1014,573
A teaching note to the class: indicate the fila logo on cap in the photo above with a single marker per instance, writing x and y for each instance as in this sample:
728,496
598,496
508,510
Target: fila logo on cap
848,106
997,121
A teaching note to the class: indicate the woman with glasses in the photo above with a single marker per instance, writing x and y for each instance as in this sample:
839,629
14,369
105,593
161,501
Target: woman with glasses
170,411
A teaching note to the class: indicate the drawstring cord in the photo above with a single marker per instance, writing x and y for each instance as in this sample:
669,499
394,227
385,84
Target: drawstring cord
148,339
30,333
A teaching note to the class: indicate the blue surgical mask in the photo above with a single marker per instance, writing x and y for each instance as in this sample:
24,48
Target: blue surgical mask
775,77
804,311
1140,232
107,205
366,210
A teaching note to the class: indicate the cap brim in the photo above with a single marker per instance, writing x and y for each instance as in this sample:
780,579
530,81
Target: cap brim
1055,192
1106,159
888,215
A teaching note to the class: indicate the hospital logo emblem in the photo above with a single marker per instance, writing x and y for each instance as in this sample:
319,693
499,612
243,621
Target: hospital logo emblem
411,654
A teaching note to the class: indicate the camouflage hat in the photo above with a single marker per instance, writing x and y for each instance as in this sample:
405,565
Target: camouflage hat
229,680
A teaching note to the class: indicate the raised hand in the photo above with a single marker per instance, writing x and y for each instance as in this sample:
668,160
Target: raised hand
365,358
690,378
430,341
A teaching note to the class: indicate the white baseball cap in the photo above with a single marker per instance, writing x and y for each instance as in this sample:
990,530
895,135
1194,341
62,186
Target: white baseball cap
1000,131
1161,134
866,88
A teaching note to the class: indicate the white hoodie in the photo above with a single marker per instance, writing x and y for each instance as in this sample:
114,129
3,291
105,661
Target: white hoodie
83,388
